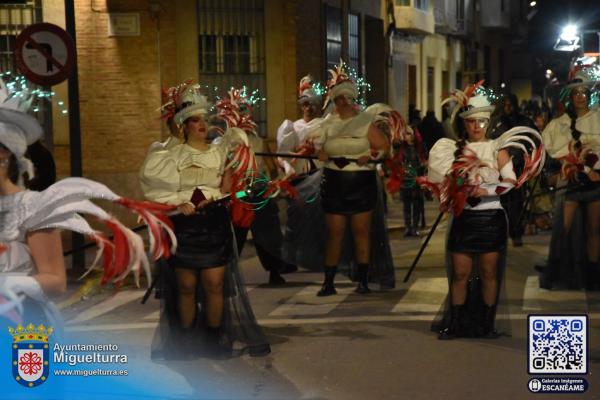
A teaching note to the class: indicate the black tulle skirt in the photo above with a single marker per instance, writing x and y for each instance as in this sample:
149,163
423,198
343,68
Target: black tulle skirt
349,192
204,239
478,231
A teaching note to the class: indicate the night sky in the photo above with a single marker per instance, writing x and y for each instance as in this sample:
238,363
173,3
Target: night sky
546,26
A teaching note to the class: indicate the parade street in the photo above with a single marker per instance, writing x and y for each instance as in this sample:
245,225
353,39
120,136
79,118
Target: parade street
350,346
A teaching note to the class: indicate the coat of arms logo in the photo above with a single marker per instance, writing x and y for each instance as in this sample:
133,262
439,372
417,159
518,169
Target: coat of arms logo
30,354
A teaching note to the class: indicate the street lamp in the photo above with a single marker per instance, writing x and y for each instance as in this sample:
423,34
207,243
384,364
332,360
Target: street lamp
568,39
569,33
533,4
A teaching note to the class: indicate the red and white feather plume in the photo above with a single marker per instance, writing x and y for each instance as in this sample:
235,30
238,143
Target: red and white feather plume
461,98
534,153
578,158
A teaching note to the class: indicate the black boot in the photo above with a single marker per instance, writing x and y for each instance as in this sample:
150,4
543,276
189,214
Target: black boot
489,317
454,327
363,279
216,345
328,288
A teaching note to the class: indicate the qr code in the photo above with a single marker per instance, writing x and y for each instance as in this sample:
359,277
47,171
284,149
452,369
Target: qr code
557,344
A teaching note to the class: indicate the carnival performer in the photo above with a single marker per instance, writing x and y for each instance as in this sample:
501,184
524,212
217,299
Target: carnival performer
298,137
349,189
32,266
205,307
574,139
301,246
408,161
469,176
263,219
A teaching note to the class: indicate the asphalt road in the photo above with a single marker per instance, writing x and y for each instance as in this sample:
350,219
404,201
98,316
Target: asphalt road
350,346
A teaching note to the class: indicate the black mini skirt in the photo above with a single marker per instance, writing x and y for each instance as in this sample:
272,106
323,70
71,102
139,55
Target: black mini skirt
478,231
585,195
349,192
204,239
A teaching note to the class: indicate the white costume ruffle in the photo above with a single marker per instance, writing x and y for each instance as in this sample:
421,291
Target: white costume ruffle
557,134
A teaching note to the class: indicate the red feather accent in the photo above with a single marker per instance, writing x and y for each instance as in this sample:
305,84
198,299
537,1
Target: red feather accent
2,248
236,111
170,100
397,173
121,253
154,215
577,160
470,91
241,214
455,189
108,254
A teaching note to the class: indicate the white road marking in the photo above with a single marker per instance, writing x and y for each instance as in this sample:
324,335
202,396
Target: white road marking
306,302
119,299
424,295
537,299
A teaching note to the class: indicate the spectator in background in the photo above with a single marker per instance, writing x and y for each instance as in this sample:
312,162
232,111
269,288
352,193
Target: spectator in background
414,115
431,129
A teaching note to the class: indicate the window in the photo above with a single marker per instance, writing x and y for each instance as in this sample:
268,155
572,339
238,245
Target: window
422,4
501,66
487,64
354,42
430,88
7,45
232,50
333,23
230,54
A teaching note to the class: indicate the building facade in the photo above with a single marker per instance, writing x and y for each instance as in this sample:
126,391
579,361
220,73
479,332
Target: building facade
410,51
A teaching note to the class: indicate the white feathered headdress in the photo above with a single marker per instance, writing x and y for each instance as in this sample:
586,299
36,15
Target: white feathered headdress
17,128
340,84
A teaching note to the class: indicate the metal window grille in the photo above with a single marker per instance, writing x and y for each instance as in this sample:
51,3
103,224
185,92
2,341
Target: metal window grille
354,43
232,48
333,24
14,18
422,4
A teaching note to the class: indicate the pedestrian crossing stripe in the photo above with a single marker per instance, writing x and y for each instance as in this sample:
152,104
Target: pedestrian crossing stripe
421,301
424,295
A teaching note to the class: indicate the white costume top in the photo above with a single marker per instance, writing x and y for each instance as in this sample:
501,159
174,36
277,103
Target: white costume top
292,135
347,138
440,162
170,175
557,134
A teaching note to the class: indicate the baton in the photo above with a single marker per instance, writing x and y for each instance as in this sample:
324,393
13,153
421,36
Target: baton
429,235
307,157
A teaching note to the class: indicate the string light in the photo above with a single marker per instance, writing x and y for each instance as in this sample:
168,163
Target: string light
19,86
363,87
490,94
592,73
